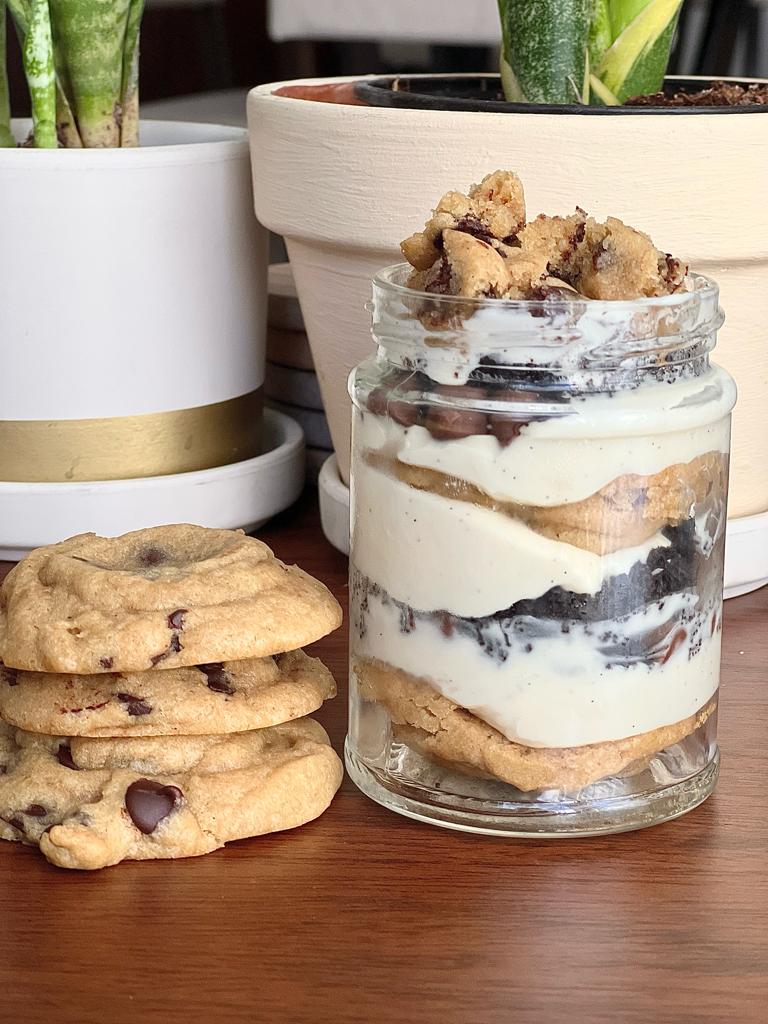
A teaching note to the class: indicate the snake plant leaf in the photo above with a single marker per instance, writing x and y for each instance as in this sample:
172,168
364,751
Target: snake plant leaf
6,135
600,31
20,12
543,48
129,87
89,35
636,61
41,76
622,12
603,94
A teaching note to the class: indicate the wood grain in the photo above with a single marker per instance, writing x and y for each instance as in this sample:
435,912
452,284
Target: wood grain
364,916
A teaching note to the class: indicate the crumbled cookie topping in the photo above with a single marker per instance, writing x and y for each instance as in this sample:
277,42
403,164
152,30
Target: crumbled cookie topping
480,246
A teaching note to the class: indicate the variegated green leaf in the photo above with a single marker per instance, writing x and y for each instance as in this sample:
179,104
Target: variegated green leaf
637,59
544,43
40,75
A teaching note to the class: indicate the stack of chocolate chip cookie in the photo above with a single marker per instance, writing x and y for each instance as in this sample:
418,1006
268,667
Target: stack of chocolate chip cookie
154,694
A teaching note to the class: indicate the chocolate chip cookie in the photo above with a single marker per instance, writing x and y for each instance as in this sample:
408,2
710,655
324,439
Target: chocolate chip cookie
431,723
90,803
211,698
165,597
626,512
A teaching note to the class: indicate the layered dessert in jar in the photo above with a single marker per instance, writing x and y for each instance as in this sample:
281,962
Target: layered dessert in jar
539,479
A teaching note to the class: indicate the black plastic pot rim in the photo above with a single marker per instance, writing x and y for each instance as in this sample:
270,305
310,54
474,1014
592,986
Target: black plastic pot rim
379,92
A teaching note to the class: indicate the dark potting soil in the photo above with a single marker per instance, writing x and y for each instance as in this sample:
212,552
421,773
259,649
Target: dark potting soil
721,94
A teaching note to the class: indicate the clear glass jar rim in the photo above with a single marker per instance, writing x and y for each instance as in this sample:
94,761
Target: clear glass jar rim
391,280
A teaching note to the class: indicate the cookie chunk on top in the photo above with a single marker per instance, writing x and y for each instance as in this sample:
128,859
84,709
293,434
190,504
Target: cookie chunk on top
480,246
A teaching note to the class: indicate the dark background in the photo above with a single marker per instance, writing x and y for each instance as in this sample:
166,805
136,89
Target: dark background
212,45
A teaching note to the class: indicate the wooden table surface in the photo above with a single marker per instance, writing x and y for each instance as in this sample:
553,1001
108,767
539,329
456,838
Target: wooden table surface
365,916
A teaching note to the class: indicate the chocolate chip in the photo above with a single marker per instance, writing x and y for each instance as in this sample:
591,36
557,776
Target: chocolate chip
441,283
451,424
88,707
16,823
149,802
9,676
176,619
407,414
505,429
4,768
446,624
106,663
601,257
35,811
64,755
218,679
135,706
173,648
152,556
678,639
377,402
474,226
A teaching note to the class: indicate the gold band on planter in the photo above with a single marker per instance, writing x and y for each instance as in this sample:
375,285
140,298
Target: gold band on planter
125,447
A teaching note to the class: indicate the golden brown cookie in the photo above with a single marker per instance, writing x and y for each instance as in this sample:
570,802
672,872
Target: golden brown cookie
469,267
494,211
439,728
623,514
214,698
609,261
92,803
158,598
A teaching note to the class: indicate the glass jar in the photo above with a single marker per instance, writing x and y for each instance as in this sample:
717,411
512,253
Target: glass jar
538,522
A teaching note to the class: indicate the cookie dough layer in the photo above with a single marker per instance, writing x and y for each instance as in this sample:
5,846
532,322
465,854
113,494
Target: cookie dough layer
436,554
558,687
230,697
164,598
220,789
440,728
570,457
623,514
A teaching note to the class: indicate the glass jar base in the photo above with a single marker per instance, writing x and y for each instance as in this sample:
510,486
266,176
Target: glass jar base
596,812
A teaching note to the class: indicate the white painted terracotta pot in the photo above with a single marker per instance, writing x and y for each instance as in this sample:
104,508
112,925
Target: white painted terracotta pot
344,184
132,285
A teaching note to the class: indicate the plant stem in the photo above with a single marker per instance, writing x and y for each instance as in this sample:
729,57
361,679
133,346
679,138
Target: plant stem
6,135
65,121
41,77
90,35
129,88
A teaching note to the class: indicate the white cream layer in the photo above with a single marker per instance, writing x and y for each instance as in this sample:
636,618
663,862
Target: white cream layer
568,458
434,554
561,694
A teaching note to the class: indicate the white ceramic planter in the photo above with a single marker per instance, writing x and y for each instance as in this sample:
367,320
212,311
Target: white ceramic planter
132,286
344,184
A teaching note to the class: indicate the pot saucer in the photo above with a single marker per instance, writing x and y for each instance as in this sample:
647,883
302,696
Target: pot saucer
243,494
333,494
746,554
